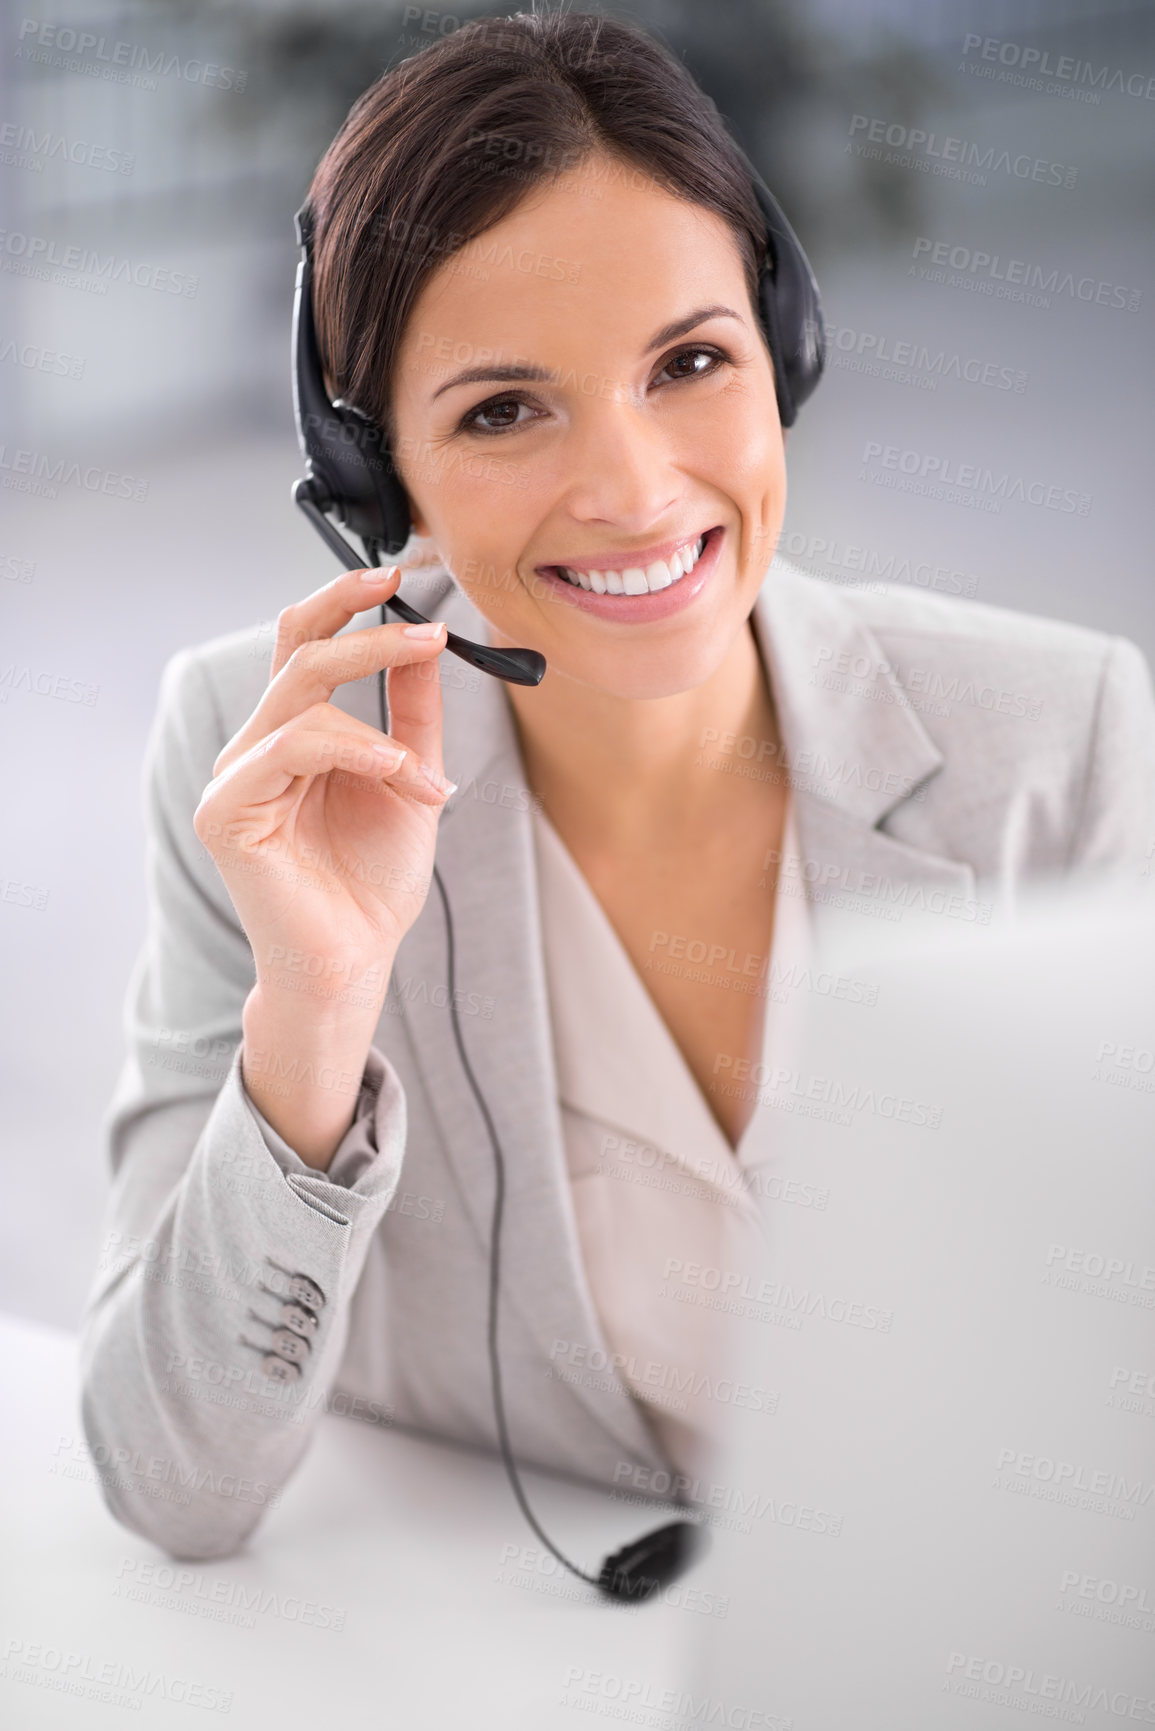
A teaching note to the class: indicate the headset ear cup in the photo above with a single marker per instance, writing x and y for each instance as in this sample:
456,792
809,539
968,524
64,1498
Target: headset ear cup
768,305
344,449
379,508
791,309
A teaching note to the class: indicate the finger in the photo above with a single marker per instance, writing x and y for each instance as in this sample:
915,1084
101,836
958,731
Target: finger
327,611
230,807
414,697
320,718
326,718
316,668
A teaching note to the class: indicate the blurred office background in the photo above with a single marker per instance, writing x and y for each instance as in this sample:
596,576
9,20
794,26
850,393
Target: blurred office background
185,155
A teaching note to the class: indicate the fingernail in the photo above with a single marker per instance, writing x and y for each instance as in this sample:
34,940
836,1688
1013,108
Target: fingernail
378,575
393,756
434,629
437,781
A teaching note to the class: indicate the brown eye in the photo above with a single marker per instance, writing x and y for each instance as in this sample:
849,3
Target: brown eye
495,408
682,365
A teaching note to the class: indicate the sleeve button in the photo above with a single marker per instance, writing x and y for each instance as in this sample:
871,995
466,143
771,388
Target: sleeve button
306,1291
299,1320
288,1345
279,1369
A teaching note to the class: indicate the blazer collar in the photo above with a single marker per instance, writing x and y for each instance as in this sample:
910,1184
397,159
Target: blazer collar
853,759
851,738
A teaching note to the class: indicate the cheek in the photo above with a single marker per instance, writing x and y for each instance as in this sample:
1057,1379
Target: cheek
753,475
474,486
481,513
467,495
740,442
479,503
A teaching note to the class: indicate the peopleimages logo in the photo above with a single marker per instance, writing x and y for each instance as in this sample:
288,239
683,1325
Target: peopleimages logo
73,50
957,158
1034,64
871,351
40,360
34,255
639,1702
999,1683
38,473
22,147
846,562
1017,278
115,1682
957,481
1097,1490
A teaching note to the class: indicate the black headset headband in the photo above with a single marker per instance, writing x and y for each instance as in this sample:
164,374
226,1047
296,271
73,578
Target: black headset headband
349,464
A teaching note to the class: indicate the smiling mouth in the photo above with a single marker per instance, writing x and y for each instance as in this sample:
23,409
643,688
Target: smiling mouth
637,579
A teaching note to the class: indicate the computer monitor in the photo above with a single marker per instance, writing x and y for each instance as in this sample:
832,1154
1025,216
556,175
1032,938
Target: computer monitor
943,1513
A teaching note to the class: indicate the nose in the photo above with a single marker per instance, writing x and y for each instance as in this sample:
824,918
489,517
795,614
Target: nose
623,470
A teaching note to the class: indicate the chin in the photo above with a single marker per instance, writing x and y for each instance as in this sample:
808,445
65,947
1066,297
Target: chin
635,674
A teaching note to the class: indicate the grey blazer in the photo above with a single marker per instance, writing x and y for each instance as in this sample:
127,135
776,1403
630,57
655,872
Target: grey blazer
941,752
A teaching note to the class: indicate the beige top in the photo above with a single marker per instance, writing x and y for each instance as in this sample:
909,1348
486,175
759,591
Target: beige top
655,1183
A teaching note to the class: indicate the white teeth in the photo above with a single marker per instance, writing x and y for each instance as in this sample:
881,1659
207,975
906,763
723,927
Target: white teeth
635,581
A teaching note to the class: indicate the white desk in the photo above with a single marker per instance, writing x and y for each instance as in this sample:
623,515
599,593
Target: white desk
405,1538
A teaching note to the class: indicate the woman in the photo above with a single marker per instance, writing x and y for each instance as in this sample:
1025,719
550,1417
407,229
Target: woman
536,252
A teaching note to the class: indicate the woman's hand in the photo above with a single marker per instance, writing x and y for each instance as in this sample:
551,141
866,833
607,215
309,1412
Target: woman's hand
323,827
324,831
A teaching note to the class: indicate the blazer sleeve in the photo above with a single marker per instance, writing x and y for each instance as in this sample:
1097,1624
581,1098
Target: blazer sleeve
213,1232
1114,832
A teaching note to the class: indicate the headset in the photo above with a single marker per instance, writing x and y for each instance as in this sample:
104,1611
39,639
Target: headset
349,472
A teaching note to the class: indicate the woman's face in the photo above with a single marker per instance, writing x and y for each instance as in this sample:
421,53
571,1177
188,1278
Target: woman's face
586,386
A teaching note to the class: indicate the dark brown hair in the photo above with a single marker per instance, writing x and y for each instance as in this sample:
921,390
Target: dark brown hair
446,144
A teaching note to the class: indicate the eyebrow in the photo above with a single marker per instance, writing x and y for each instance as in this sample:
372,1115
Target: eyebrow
527,371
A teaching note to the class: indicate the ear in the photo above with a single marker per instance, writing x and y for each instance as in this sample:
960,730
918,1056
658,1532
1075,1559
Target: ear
421,550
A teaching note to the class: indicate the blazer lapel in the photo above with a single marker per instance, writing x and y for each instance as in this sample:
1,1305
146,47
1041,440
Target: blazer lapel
855,750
